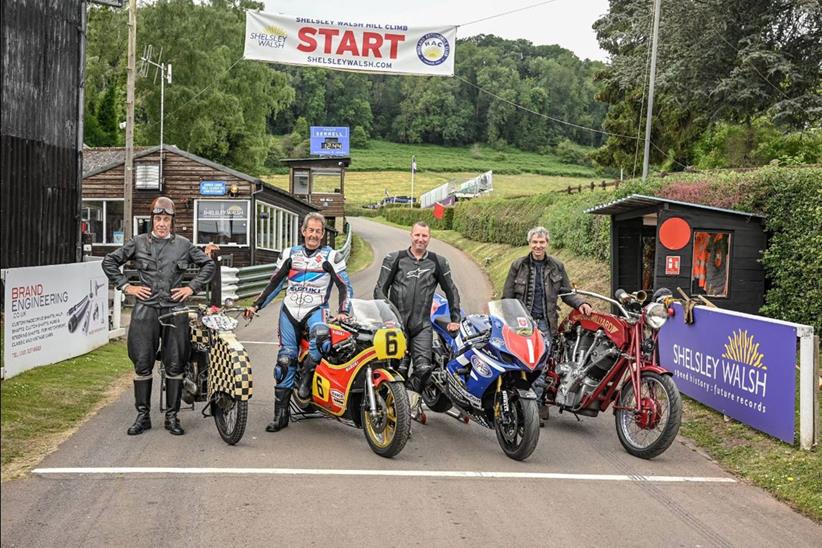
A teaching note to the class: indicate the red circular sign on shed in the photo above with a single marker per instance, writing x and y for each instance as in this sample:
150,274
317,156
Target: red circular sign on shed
675,233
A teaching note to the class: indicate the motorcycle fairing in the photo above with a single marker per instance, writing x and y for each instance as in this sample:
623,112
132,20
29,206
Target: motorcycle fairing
229,368
529,349
331,386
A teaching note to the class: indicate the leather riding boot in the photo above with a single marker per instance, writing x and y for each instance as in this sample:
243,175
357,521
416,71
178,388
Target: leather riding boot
282,414
419,377
142,401
174,392
309,365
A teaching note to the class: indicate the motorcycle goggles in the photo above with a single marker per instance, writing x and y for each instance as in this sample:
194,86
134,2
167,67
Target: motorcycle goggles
162,211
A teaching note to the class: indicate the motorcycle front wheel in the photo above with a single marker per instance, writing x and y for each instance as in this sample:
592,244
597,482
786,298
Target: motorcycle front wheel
230,416
389,430
649,431
518,434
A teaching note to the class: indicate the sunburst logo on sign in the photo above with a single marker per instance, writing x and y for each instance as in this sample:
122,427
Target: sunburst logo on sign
742,348
274,30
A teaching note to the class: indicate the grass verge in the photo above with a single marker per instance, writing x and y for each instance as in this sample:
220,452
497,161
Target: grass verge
42,407
361,255
787,472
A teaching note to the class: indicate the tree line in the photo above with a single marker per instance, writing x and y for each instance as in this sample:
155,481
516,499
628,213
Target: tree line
738,83
230,112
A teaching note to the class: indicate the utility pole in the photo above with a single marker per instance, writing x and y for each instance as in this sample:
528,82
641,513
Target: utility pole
650,114
128,183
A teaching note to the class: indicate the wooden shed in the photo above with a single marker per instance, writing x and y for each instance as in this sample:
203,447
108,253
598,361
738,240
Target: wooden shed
656,242
252,221
321,182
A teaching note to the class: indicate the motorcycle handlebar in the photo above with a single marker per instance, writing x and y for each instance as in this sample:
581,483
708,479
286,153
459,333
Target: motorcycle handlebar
564,292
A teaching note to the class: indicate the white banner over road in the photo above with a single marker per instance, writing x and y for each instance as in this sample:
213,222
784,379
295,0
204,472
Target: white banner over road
350,45
53,313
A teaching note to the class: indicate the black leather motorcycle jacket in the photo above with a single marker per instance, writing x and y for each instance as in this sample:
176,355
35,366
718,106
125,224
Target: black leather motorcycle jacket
410,284
160,263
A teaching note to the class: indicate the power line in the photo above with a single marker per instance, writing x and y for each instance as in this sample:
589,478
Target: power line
506,13
547,117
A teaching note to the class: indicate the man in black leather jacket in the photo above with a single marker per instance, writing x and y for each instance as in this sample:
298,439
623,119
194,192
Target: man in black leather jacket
161,259
408,279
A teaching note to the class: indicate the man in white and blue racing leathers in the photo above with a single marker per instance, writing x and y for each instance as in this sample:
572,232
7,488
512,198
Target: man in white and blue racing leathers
307,272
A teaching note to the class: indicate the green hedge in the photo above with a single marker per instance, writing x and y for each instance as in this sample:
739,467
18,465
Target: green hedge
408,216
499,220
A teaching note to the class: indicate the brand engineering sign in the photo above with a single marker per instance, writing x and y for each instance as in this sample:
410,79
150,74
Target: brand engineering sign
741,366
383,47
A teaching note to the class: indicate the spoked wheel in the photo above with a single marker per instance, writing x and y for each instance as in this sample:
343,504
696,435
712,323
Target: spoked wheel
650,430
230,416
435,400
518,429
388,431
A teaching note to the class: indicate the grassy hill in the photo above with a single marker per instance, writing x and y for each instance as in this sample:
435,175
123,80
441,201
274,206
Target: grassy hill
385,169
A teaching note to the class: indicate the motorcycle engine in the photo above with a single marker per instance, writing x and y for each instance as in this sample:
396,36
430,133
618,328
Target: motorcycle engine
584,359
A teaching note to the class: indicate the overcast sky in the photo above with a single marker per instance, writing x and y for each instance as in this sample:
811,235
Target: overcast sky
564,22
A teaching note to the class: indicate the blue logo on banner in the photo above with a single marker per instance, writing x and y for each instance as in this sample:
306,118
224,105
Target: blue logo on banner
740,366
212,188
433,49
329,141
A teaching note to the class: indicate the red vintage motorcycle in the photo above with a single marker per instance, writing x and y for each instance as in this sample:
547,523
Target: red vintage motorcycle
602,359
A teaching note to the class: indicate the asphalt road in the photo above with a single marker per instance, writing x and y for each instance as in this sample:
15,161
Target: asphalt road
317,483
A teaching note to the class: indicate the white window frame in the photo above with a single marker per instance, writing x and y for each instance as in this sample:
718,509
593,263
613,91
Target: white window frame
232,244
105,218
138,218
277,231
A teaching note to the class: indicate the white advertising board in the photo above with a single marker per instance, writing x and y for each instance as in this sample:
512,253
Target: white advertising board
53,313
344,44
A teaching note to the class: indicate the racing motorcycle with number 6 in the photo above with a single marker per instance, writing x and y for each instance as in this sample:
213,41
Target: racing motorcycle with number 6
603,359
356,381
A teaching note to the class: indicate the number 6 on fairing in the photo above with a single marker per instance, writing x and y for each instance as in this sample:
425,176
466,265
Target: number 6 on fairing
389,343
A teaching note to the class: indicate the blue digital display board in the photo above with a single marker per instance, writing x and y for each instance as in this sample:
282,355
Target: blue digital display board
329,141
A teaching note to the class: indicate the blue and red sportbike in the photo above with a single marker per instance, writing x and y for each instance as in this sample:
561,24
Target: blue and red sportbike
485,371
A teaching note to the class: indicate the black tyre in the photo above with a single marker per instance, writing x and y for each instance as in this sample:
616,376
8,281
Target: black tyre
518,433
435,400
388,432
230,416
648,432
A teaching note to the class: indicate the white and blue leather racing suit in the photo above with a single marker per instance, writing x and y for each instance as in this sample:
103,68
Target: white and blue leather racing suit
307,276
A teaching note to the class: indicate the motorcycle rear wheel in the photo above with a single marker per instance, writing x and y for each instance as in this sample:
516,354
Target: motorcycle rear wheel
388,433
519,439
230,416
435,400
647,435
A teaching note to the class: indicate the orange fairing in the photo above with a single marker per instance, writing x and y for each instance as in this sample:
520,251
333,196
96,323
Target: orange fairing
332,383
528,348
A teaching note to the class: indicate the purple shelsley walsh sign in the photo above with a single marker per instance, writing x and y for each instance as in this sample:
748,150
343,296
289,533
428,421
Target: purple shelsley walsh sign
742,366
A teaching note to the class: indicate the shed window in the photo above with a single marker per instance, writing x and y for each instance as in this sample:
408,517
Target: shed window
711,264
142,224
147,177
102,220
276,228
223,222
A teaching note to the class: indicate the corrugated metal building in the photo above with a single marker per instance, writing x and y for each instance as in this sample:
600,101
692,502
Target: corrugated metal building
40,139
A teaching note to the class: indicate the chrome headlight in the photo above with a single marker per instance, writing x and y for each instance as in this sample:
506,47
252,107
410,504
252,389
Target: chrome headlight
656,314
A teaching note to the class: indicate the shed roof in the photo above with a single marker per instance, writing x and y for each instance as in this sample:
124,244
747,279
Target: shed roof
639,201
98,160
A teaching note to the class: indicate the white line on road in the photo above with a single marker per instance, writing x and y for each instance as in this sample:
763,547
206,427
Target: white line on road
260,342
379,473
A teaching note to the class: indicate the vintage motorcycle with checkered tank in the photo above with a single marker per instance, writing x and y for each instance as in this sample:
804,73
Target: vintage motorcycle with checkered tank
603,359
218,371
485,372
356,381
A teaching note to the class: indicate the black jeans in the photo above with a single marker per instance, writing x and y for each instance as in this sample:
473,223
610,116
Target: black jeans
144,334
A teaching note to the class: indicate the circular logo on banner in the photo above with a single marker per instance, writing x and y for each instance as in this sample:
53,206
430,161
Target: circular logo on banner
433,49
674,233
